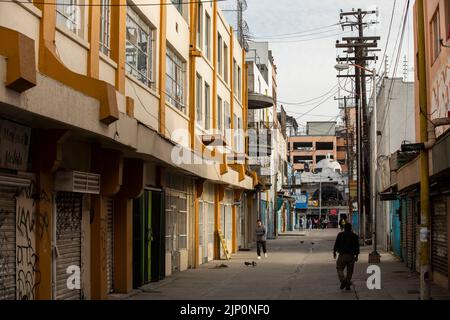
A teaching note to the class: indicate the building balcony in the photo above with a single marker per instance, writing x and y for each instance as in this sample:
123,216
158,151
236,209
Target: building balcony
259,101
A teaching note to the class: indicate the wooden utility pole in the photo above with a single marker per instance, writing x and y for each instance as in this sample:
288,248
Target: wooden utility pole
359,46
424,248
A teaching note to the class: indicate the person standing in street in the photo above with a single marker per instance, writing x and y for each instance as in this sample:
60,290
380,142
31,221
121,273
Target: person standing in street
347,245
261,240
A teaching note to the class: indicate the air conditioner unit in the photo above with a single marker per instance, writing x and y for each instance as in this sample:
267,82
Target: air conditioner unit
76,181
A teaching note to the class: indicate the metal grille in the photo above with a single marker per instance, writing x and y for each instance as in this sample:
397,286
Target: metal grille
209,206
439,236
176,225
410,235
7,246
110,245
68,242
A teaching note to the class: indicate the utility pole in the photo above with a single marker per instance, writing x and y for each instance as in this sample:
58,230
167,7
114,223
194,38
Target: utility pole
349,162
424,248
359,46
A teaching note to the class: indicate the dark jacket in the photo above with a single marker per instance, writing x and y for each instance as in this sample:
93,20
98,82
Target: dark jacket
261,233
347,243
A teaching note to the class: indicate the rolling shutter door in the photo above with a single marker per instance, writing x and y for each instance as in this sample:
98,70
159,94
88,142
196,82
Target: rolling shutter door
110,245
7,246
403,230
68,242
439,253
410,229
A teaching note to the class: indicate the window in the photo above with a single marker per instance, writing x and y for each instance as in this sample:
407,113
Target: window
139,48
179,5
219,54
207,106
200,26
199,98
208,37
435,36
239,83
324,146
225,63
175,80
227,120
219,114
238,136
235,75
105,27
69,14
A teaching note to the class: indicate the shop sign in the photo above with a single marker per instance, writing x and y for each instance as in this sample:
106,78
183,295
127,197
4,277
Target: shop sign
14,145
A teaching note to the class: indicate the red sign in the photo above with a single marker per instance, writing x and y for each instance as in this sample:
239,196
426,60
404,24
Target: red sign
333,212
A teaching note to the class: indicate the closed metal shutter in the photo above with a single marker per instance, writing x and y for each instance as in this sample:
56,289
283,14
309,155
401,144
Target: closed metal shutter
7,246
68,242
411,234
439,244
110,245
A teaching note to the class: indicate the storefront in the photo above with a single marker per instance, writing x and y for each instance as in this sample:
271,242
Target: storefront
206,224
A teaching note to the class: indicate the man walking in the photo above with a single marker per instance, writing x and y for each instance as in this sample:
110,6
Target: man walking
347,245
261,239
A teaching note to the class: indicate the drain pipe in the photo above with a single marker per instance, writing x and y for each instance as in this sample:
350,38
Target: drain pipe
432,125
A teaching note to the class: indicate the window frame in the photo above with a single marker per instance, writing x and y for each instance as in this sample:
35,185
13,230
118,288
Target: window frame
225,62
199,99
208,36
178,4
200,26
219,54
219,114
178,101
207,106
105,27
63,18
435,36
139,21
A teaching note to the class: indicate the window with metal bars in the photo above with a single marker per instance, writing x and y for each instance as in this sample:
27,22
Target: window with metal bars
69,15
105,27
175,74
139,48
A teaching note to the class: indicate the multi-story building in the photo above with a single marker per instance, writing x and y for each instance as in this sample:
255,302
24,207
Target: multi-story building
437,59
267,144
307,150
395,101
108,114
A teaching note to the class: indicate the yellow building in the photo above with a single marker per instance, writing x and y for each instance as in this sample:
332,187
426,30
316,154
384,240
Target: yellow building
105,112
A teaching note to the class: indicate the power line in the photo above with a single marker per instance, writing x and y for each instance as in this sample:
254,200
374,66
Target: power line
295,36
307,102
300,32
389,35
56,3
311,39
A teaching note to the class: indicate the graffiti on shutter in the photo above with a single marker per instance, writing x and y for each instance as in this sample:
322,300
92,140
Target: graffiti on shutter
110,245
439,244
7,246
27,273
68,245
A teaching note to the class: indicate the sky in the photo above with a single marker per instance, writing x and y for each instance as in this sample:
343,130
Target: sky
306,67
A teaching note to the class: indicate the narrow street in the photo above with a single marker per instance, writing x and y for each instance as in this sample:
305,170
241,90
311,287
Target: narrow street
292,271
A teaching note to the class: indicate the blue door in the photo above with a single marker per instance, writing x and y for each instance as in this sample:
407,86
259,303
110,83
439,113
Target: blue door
396,228
355,222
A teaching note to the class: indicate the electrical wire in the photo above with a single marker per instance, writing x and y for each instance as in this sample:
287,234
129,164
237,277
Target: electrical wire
388,37
110,4
299,32
307,102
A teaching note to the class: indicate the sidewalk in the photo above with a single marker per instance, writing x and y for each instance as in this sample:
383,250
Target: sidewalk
298,268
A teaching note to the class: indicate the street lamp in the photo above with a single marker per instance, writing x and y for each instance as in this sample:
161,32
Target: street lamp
374,256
